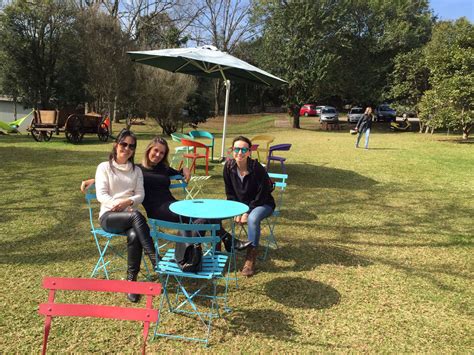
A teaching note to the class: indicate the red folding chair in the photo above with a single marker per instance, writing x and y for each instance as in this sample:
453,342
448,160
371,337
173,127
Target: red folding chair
51,309
195,155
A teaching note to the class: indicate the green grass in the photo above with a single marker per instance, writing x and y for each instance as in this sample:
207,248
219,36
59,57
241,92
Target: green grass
375,247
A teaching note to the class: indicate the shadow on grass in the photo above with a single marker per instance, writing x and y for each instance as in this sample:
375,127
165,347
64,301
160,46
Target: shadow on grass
268,322
317,176
302,293
46,201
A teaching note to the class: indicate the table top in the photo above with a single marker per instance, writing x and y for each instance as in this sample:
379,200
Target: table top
208,208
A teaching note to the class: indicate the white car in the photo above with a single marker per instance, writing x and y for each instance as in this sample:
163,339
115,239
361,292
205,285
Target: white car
355,114
329,114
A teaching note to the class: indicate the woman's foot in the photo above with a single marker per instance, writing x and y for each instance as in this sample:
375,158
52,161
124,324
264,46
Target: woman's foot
132,297
238,244
250,260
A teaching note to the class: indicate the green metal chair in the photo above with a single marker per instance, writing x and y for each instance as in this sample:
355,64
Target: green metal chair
178,294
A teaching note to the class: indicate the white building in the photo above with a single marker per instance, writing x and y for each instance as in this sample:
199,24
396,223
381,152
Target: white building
7,112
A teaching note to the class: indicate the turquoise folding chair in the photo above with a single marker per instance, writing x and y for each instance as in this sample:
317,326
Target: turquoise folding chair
207,135
269,241
103,239
181,298
179,184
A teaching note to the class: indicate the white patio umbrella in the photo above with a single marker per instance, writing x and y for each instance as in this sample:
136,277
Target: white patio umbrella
207,61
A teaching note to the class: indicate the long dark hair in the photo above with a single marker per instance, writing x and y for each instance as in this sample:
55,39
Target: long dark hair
157,140
124,133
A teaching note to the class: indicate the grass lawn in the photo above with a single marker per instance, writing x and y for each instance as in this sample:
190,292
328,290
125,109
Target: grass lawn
375,247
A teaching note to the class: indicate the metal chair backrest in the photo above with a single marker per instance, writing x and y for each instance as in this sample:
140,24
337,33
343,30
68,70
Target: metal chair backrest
284,146
194,144
91,199
280,186
178,136
263,141
178,182
201,134
52,309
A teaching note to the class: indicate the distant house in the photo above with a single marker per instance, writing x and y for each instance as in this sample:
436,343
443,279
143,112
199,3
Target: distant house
7,111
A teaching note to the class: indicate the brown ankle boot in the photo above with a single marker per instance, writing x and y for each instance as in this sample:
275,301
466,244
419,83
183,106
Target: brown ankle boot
249,266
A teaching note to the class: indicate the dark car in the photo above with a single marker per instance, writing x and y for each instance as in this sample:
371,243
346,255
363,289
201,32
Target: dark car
385,113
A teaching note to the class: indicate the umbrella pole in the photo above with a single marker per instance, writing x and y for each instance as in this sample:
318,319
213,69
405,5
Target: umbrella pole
226,107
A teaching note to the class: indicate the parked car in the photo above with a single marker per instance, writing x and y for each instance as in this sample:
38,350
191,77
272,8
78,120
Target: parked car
355,114
318,110
308,110
385,113
329,114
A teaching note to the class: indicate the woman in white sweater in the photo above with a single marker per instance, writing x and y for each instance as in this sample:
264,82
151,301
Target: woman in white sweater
119,189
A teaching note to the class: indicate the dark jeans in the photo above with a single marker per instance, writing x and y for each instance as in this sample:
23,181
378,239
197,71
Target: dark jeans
134,225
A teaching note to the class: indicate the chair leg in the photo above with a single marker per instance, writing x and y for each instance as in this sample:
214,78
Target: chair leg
47,327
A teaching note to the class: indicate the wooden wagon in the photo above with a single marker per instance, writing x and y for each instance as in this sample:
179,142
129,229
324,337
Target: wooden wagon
73,124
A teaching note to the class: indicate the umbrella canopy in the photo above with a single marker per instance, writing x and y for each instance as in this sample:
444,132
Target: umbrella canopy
207,61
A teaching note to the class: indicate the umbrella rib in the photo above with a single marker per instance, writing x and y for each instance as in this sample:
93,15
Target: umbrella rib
259,78
180,67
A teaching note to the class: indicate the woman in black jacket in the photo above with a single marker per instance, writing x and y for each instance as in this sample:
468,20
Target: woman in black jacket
247,181
363,126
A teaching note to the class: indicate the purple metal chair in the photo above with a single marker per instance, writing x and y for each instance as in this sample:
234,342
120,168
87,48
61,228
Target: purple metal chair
271,156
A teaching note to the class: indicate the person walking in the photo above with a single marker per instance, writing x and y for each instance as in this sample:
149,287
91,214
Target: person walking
363,126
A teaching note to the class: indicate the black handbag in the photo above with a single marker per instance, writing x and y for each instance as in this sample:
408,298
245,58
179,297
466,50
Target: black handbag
188,256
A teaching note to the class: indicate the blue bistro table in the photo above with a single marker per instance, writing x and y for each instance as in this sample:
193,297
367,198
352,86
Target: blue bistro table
212,209
208,208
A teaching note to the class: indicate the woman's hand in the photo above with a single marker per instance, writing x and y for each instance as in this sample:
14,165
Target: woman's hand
186,174
124,205
85,184
241,219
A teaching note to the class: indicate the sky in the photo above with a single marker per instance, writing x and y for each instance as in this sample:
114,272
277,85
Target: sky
453,9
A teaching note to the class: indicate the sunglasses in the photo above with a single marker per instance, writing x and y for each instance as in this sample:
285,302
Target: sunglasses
125,145
243,150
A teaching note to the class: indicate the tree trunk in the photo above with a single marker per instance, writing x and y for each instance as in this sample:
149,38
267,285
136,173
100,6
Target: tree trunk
422,125
114,114
216,97
296,120
465,131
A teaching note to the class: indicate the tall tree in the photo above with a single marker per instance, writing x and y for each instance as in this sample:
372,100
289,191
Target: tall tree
299,42
340,51
38,43
409,80
450,59
103,52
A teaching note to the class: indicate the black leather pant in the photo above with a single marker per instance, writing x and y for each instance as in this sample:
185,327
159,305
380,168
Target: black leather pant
134,225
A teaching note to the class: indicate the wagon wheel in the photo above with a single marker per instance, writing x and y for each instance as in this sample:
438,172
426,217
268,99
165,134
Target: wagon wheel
47,135
37,135
103,132
74,129
40,136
